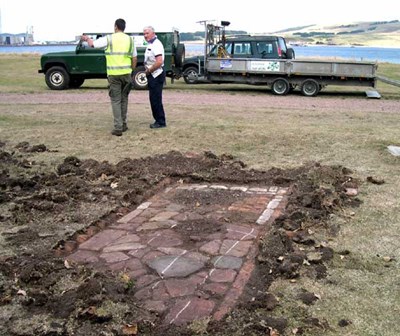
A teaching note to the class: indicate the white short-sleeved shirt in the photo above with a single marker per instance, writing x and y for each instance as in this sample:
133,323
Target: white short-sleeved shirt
154,49
102,42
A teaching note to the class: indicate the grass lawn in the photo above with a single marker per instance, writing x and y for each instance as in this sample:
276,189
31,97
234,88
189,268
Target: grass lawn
361,286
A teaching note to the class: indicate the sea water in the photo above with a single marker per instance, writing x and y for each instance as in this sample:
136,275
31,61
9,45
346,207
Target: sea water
354,53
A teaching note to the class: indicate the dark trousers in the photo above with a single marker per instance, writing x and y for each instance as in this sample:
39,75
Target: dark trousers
155,94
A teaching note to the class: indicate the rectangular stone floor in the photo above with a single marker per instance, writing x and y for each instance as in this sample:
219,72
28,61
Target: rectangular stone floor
190,249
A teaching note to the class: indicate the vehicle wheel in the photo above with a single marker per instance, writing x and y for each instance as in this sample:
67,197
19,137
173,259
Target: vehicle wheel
76,82
190,75
139,79
310,88
290,54
280,86
57,78
179,55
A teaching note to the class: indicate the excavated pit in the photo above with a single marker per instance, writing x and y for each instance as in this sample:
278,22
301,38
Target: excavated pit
190,249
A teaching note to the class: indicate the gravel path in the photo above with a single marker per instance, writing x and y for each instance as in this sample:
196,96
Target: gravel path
207,98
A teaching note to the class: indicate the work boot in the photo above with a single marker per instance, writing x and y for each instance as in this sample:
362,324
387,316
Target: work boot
124,128
157,125
116,132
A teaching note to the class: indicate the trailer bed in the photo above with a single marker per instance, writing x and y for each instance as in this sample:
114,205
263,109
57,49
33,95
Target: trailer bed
283,74
292,67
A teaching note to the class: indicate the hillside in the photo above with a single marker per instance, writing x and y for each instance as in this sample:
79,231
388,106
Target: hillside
379,33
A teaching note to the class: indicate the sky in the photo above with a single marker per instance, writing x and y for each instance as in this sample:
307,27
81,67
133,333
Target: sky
54,20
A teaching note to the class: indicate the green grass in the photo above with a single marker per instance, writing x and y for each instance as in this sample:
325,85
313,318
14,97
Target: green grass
19,73
361,287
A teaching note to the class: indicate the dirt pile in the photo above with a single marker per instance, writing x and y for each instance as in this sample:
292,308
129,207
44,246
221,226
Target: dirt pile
42,208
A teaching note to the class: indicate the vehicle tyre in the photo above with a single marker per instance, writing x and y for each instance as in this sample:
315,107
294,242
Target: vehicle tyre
57,78
179,55
280,86
76,82
139,79
290,54
190,75
310,88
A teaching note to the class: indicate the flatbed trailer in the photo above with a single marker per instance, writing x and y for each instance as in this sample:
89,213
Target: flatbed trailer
268,61
283,75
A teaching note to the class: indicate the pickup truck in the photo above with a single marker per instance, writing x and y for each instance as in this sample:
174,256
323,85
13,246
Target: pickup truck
241,46
266,60
70,69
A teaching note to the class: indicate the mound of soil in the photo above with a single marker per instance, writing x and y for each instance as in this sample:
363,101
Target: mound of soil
41,209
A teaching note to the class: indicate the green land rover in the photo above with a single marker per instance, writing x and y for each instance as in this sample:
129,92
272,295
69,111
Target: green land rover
69,69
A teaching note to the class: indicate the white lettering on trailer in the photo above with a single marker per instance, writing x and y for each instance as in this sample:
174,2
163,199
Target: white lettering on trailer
264,66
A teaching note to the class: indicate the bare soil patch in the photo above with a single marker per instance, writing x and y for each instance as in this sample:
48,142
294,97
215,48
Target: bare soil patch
42,209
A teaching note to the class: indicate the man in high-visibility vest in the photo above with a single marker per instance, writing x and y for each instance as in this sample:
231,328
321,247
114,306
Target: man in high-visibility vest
121,59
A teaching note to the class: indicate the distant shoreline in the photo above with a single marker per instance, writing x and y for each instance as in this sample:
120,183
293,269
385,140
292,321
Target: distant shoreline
297,44
196,42
356,53
35,45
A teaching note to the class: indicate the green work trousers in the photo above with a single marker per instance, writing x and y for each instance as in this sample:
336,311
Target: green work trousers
118,90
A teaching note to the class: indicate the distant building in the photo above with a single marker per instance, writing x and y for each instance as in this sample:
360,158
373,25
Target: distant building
16,39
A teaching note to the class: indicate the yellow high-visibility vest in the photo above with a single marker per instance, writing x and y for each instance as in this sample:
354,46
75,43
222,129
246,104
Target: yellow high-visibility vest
119,54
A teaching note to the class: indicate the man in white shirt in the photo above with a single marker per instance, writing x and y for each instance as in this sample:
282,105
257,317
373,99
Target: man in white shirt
154,62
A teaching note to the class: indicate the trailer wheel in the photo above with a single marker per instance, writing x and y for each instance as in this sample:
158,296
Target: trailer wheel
139,79
190,75
310,88
280,86
57,78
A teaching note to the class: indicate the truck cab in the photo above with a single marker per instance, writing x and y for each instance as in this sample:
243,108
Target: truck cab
243,46
70,69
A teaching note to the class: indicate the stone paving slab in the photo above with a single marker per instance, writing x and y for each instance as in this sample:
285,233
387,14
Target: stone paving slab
190,249
175,266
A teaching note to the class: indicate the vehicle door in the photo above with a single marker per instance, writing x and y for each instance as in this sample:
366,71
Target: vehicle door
89,60
267,49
